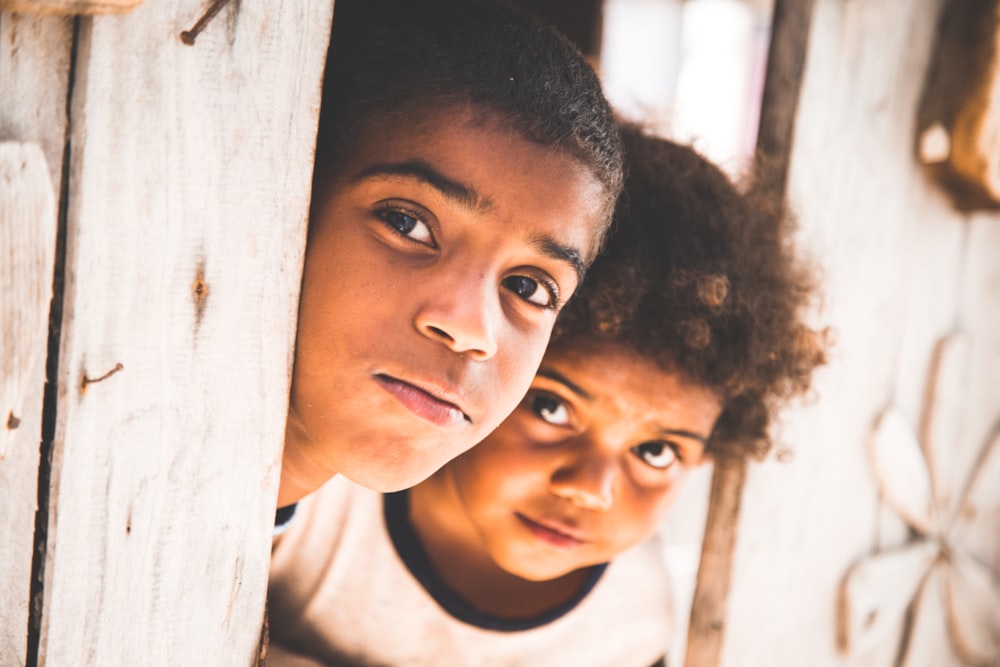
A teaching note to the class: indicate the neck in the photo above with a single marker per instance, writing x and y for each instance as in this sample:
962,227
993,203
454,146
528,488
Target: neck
457,554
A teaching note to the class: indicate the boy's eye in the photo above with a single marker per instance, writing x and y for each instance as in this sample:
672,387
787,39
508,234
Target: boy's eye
531,290
408,225
550,409
658,455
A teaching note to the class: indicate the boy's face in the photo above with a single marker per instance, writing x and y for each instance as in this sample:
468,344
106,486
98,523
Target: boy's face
439,254
588,463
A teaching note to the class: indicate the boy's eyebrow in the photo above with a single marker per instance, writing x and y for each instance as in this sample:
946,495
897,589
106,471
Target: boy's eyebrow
562,379
467,196
463,194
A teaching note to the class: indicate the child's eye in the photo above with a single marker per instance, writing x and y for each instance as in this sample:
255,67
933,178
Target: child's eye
407,224
533,291
550,409
658,455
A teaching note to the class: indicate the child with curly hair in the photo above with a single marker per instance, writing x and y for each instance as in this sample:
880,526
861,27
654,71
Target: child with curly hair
537,546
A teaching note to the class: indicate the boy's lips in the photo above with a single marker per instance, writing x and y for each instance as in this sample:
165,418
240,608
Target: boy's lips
553,532
428,402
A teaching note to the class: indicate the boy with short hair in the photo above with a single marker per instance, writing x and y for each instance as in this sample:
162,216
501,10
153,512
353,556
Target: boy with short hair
467,165
531,548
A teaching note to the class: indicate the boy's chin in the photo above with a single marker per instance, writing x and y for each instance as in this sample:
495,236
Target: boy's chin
395,475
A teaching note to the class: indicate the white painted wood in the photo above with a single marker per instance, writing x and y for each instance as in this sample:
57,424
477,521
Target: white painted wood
901,472
27,251
973,601
188,200
929,644
34,74
901,269
66,7
944,416
877,592
979,512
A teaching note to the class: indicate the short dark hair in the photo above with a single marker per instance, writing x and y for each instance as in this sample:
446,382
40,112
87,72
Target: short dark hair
391,58
703,281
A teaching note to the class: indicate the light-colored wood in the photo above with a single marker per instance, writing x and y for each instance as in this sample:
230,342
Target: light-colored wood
66,7
27,251
944,415
973,602
708,612
188,198
877,592
902,473
791,21
901,270
929,644
35,55
978,514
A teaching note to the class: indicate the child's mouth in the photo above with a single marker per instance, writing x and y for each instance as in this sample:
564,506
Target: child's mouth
423,404
550,534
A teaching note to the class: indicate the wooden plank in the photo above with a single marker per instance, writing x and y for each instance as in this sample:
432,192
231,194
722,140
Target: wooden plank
27,252
901,472
877,592
708,609
35,57
786,56
894,256
66,7
188,198
928,644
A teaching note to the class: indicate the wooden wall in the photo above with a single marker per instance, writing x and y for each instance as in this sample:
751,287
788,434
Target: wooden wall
182,176
903,271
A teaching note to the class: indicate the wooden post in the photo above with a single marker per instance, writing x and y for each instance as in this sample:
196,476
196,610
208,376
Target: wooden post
186,201
785,66
27,250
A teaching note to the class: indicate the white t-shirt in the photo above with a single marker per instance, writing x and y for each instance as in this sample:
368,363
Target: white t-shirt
348,588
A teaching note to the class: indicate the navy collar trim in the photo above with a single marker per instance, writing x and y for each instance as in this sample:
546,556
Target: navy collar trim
396,510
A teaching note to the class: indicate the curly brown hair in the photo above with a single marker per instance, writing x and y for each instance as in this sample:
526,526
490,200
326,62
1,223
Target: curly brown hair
703,281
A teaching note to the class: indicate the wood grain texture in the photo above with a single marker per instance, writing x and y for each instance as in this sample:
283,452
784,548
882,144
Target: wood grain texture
708,610
188,197
902,269
786,56
67,7
34,79
27,251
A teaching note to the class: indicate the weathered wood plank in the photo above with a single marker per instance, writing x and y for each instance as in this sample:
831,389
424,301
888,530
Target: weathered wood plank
27,251
66,7
895,257
34,76
786,57
188,197
708,609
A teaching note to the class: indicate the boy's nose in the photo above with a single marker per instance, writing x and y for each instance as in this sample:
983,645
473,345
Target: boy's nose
464,316
587,482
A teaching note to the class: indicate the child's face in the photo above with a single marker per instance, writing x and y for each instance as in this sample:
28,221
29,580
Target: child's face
438,256
588,463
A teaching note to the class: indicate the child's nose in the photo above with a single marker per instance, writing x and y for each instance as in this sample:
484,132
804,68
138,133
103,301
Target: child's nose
464,316
588,482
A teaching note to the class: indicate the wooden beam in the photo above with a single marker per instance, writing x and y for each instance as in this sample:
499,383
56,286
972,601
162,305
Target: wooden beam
187,204
785,67
69,7
27,251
